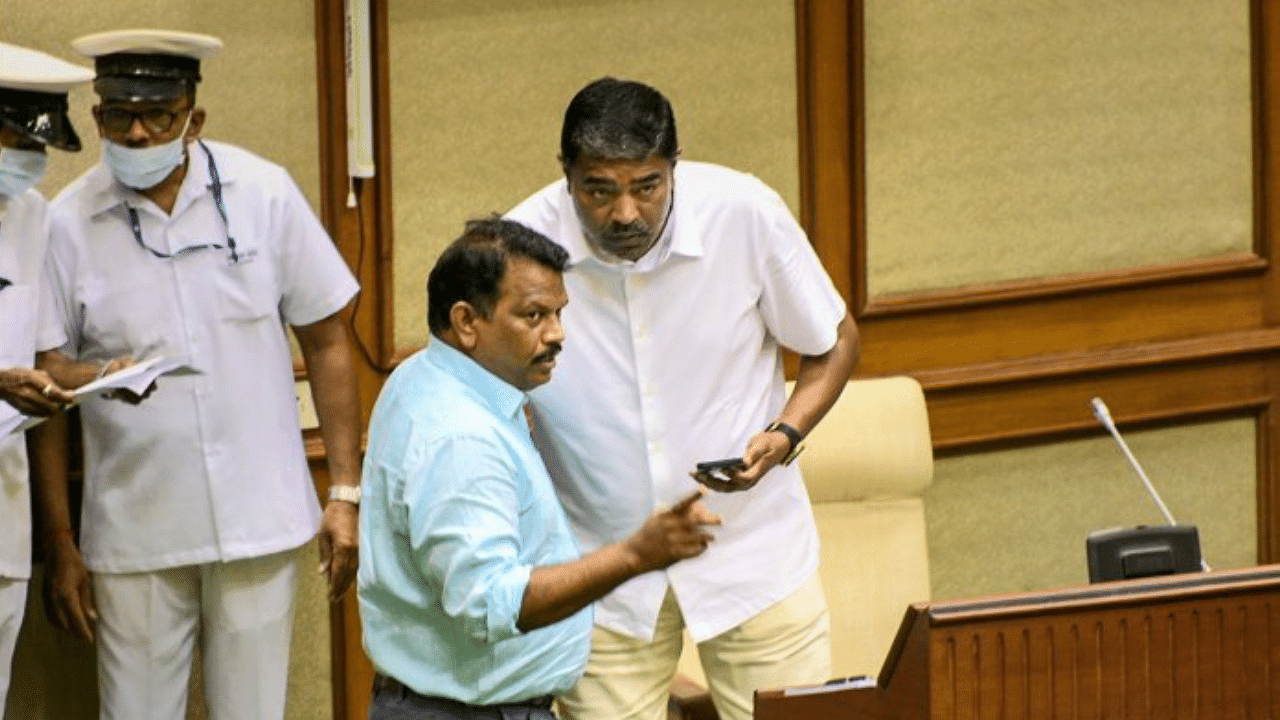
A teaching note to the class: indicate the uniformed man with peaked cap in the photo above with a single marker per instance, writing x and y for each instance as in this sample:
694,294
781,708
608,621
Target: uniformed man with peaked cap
196,499
33,114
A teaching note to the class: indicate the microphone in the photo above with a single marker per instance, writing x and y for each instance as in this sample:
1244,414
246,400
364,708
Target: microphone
1101,412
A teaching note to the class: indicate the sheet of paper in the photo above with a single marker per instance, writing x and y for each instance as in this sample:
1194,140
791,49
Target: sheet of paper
851,683
136,379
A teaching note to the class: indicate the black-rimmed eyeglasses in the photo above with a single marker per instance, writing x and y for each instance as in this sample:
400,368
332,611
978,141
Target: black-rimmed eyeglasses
157,121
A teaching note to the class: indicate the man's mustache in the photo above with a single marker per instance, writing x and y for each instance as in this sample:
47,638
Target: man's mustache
550,354
626,231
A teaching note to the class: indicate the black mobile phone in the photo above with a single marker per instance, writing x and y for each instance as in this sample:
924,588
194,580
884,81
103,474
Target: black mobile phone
725,464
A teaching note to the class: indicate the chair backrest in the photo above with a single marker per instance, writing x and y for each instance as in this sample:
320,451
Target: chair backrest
867,466
873,443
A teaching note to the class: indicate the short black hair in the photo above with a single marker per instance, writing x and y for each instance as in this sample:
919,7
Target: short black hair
612,119
472,267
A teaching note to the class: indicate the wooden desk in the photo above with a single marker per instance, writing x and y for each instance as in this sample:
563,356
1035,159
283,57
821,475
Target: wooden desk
1204,645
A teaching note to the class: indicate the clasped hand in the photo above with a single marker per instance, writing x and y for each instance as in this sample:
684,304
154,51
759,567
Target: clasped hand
32,392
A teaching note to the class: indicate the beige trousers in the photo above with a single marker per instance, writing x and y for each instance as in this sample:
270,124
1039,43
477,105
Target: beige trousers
146,634
13,604
787,644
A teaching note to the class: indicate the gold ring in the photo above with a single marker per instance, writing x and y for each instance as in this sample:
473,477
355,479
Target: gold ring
47,389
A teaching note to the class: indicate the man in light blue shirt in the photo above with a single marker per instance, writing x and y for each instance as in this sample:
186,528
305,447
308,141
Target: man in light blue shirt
473,597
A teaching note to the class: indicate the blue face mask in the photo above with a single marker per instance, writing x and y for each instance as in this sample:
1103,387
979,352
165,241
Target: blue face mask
20,170
144,168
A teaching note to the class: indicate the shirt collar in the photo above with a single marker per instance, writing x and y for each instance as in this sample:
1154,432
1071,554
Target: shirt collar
106,192
686,235
502,398
678,238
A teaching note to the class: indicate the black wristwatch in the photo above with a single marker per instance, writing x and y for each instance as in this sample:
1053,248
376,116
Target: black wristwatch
794,438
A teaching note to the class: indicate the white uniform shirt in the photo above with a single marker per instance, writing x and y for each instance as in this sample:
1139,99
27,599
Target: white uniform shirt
27,325
210,466
672,360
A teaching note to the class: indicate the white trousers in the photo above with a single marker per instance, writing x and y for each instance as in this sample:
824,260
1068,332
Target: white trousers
787,644
13,604
147,629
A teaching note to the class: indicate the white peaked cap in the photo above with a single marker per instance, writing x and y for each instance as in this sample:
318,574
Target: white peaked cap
148,42
33,71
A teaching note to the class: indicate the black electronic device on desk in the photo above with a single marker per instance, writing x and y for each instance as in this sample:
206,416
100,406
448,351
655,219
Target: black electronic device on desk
1142,551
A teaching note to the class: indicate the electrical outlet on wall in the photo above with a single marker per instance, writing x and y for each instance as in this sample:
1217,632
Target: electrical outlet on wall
306,407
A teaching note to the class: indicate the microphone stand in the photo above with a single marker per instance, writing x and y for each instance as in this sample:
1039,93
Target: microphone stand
1101,412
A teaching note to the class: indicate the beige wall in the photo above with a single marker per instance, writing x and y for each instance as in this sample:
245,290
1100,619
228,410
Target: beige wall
1011,139
479,91
1017,520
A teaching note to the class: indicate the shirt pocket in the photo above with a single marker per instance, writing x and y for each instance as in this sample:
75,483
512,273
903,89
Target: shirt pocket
17,325
124,316
247,291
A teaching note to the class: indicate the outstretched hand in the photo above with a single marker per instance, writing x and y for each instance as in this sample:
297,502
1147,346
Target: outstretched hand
675,534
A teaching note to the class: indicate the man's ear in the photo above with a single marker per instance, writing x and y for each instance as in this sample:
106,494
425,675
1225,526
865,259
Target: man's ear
463,318
197,122
96,111
564,166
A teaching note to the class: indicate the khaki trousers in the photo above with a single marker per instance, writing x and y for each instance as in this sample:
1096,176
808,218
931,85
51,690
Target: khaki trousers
787,644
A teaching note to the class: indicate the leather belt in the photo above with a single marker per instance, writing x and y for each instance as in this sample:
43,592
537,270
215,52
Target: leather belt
386,683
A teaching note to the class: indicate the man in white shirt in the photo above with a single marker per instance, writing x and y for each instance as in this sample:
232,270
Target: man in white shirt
33,115
195,499
685,280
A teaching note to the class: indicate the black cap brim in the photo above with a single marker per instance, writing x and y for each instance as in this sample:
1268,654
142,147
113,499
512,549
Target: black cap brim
41,117
141,89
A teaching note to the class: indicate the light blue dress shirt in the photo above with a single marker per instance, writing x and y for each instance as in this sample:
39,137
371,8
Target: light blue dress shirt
457,509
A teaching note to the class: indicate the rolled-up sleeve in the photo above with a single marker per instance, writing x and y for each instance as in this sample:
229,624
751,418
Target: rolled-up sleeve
464,505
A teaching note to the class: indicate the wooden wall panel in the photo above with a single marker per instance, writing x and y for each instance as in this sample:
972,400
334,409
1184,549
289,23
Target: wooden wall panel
970,418
363,234
1017,362
934,336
